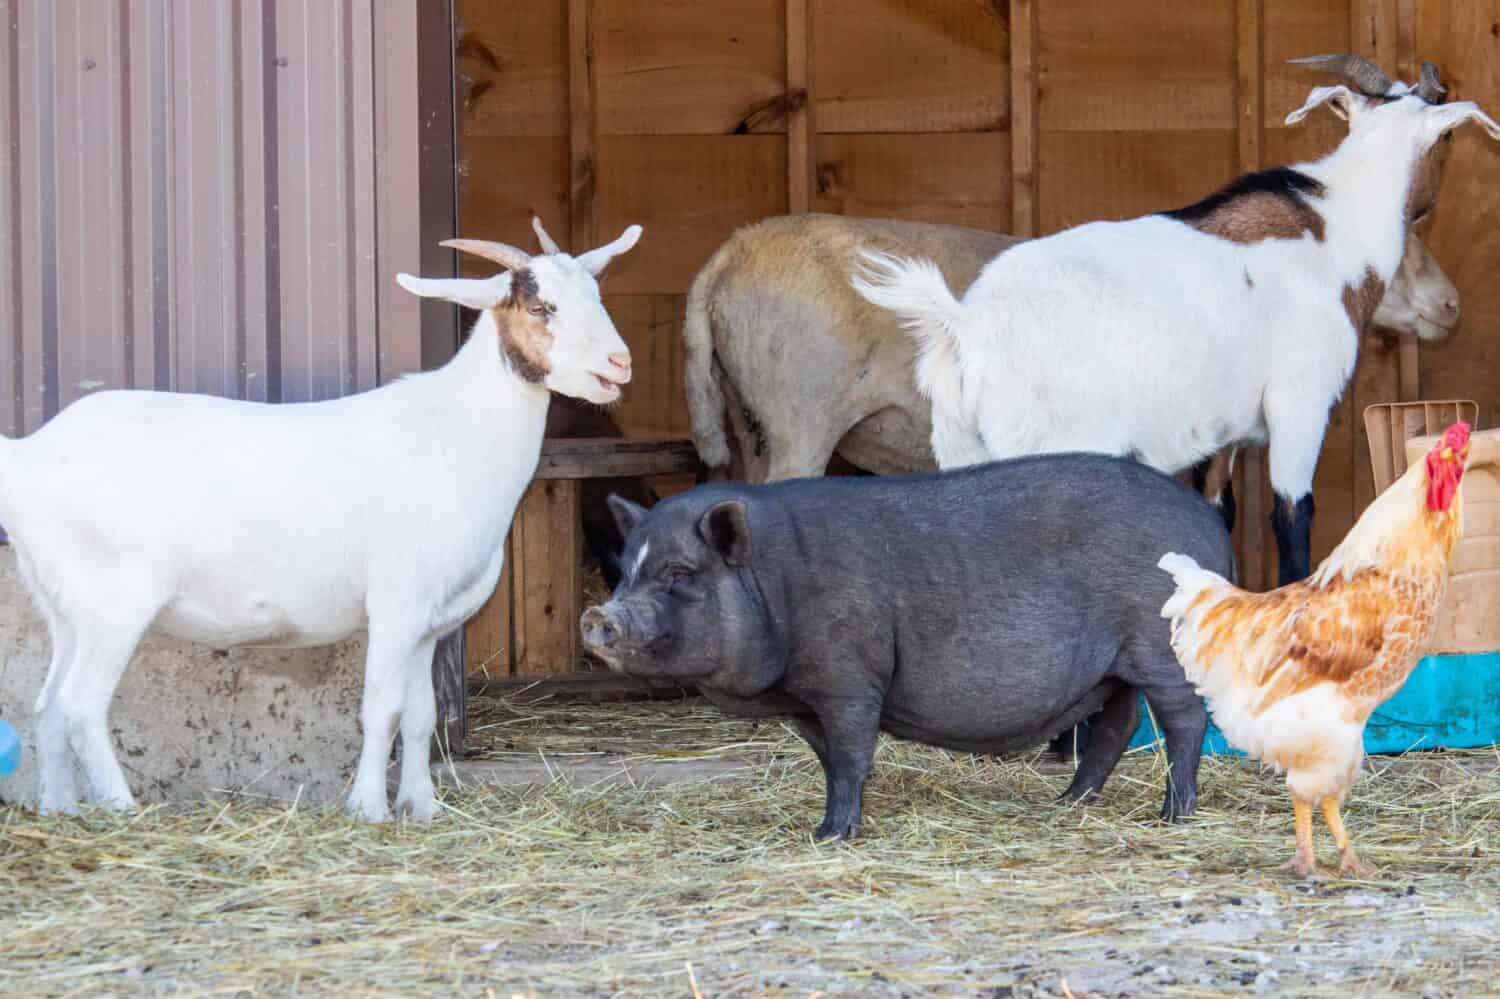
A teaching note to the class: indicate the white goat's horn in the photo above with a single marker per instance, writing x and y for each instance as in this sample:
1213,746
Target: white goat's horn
549,245
1429,87
1368,78
504,254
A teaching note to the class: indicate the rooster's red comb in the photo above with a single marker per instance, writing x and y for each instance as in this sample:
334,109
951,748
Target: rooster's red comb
1456,436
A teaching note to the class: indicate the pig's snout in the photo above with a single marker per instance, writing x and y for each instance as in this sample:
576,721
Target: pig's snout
601,630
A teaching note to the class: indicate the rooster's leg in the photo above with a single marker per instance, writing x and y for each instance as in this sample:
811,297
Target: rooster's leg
1303,861
1349,862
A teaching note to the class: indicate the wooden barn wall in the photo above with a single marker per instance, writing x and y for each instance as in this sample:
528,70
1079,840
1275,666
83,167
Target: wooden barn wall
695,116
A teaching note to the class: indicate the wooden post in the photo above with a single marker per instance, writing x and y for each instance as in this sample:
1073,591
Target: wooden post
582,126
799,107
1382,372
1024,124
546,543
1250,125
1409,354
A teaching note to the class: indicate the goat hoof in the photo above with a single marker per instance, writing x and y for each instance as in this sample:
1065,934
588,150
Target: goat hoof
419,809
369,811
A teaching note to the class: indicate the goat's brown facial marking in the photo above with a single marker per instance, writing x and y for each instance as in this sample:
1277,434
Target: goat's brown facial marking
1426,177
524,337
1360,301
1271,204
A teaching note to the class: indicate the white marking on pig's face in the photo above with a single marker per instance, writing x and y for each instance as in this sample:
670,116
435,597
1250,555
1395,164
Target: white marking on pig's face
640,559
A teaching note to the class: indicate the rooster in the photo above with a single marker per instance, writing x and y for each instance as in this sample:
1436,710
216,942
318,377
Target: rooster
1292,675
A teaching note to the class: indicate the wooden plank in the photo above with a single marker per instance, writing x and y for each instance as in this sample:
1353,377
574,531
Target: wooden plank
1025,147
1149,65
799,144
653,405
1373,31
1465,231
511,68
1249,94
683,67
911,66
1116,175
582,126
1408,352
609,457
502,183
1290,29
690,192
959,178
1408,61
487,636
1373,34
546,544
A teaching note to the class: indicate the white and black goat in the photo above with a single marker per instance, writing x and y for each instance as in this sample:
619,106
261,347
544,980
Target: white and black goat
1167,337
238,523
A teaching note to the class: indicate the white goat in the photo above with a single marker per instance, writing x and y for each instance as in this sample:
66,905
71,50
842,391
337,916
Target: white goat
1170,336
238,523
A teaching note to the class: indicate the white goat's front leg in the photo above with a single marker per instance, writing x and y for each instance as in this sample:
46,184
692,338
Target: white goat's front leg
390,651
1296,421
103,649
418,719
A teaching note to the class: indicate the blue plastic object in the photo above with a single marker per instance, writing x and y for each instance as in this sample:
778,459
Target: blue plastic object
10,748
1448,701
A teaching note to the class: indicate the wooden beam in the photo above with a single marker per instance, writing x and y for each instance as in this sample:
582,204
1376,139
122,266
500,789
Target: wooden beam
1381,372
582,127
1406,39
799,107
1025,202
1250,128
1408,352
1373,31
608,457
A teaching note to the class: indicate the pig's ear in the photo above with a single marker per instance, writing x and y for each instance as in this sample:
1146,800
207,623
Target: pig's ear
626,513
726,528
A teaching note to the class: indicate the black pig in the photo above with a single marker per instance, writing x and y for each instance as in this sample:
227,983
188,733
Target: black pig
983,610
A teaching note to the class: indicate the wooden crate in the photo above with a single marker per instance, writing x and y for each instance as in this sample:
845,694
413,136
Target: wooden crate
528,630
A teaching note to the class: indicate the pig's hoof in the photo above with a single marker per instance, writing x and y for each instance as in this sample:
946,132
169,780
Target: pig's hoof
1075,793
1176,814
836,830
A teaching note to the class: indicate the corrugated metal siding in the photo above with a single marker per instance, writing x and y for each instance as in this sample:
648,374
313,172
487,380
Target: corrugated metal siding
188,199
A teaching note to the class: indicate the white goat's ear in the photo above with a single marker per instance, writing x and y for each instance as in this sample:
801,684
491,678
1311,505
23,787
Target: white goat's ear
596,260
1447,117
1340,100
472,293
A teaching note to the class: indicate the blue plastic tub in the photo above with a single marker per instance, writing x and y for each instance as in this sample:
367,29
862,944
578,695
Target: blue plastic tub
1448,701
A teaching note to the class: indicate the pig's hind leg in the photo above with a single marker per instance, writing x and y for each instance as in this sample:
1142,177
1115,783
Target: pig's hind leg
1110,732
1183,720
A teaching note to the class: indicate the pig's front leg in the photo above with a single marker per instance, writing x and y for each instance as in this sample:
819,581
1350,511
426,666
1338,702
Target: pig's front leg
850,728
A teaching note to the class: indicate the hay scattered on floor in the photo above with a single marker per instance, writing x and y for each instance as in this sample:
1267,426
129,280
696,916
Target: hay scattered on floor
968,880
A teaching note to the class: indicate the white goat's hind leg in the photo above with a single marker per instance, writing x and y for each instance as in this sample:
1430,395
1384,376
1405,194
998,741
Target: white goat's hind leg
418,719
390,650
104,648
57,791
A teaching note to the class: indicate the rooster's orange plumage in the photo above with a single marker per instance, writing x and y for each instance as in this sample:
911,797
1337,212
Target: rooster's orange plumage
1292,675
